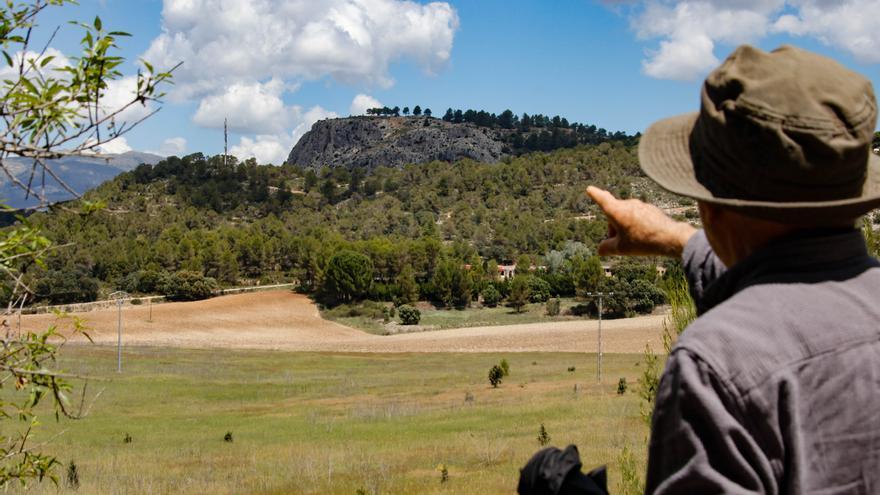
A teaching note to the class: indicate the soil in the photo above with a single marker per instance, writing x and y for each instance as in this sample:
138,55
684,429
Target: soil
283,320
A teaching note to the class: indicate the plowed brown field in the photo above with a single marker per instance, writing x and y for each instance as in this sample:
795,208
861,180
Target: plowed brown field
287,321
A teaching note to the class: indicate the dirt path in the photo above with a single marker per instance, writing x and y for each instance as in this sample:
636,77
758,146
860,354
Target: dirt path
287,321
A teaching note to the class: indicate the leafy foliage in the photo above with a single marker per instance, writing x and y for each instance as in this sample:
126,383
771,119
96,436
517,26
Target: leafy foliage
496,375
553,307
348,276
409,315
187,286
491,296
519,293
50,110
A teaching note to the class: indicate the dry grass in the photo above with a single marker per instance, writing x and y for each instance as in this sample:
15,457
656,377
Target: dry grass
336,423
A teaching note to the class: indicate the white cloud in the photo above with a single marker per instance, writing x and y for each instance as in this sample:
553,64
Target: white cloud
25,58
241,58
274,148
850,25
255,107
173,146
361,103
115,146
121,92
689,30
225,42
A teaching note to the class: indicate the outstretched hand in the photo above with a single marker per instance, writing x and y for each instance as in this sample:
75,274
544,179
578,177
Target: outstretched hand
636,228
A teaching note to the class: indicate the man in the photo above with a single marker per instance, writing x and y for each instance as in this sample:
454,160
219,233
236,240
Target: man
775,388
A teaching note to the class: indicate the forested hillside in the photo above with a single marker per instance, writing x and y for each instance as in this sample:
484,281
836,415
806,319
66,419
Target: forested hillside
242,223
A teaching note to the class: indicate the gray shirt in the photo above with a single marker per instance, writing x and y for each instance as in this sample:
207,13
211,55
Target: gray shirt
775,388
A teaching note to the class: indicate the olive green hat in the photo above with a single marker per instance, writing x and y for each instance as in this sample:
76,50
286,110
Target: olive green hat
784,135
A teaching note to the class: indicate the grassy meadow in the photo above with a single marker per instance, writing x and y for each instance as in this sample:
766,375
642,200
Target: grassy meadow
358,316
334,423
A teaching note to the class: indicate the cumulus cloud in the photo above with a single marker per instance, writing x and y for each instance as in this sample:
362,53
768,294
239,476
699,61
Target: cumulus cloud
121,92
254,107
242,58
850,25
361,103
274,148
689,31
175,146
115,146
225,42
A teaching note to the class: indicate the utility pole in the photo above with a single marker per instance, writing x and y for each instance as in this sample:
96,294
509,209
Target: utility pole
599,295
120,297
225,143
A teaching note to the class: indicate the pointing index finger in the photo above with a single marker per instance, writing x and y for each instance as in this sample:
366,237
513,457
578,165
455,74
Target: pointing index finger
602,197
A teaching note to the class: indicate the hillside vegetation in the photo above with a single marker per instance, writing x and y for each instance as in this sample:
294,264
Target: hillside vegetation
416,228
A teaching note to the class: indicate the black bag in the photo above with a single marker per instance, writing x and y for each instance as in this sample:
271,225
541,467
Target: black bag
558,472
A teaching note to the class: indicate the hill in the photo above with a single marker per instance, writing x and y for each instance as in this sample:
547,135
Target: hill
81,173
240,223
390,140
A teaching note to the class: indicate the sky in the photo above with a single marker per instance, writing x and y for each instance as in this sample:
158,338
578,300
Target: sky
274,67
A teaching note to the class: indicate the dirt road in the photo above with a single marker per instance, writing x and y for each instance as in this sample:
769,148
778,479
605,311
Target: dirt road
286,321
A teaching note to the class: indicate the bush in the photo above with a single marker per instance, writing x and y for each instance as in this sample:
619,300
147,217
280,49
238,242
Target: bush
504,367
580,310
491,296
65,286
519,293
409,315
188,286
621,386
553,307
496,374
543,436
539,289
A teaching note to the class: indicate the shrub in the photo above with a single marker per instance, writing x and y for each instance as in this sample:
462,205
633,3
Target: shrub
539,289
67,285
409,315
571,369
136,302
491,296
621,386
553,307
126,438
227,437
72,476
519,293
496,374
543,437
188,286
580,310
504,367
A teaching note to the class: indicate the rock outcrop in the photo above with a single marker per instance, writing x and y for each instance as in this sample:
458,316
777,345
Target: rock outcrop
371,142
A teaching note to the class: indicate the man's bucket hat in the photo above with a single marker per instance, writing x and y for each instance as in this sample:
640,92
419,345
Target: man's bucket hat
784,135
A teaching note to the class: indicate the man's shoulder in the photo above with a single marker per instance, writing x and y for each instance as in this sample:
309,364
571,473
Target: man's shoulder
766,327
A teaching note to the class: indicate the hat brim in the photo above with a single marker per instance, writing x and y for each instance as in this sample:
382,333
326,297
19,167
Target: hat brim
664,155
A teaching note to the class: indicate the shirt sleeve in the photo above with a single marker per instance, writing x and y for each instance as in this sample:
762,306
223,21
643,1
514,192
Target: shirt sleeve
698,441
701,265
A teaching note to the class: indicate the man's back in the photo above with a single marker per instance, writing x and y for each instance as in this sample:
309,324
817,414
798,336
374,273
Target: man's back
776,387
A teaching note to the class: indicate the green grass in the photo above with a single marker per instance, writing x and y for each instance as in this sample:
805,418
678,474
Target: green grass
438,318
335,423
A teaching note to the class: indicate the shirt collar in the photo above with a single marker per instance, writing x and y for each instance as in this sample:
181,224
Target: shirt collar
806,257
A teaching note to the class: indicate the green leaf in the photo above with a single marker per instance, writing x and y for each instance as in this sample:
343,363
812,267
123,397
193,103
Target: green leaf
97,23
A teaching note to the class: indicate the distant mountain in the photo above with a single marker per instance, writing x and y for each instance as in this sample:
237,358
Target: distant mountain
394,141
81,173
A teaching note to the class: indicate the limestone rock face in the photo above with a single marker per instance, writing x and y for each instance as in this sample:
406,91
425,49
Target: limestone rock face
370,142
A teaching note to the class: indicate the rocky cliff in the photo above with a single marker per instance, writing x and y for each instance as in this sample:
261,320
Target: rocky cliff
371,142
